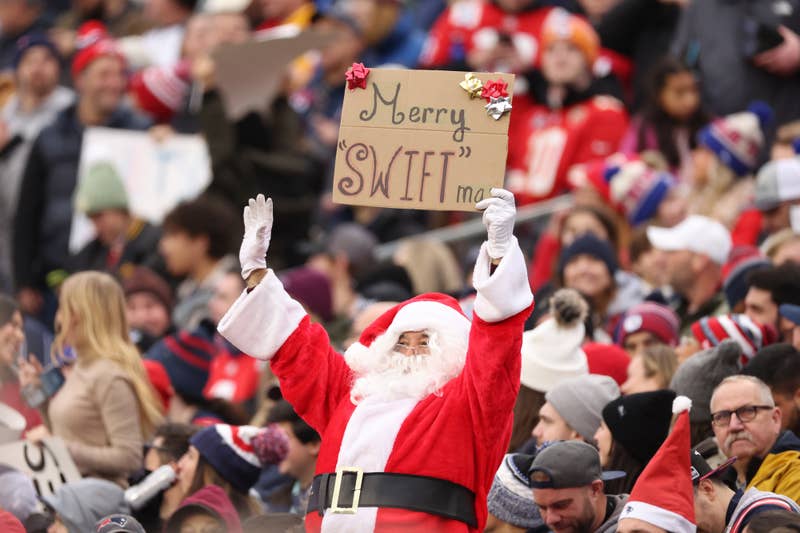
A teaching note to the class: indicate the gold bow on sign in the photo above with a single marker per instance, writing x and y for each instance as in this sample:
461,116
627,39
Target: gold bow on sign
472,85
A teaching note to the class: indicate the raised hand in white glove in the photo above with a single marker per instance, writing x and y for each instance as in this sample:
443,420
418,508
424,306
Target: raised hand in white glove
257,233
498,217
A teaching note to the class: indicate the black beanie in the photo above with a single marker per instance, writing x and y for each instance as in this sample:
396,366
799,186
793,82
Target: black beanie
640,422
589,244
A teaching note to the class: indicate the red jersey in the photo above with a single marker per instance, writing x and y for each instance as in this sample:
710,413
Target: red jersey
471,24
545,143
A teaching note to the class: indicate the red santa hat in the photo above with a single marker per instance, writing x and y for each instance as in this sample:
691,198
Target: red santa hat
432,312
93,41
663,494
161,91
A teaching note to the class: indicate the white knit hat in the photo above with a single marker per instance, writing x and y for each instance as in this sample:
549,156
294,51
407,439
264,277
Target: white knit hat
552,352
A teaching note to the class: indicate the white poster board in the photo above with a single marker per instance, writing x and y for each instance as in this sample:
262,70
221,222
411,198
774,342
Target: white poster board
49,465
157,175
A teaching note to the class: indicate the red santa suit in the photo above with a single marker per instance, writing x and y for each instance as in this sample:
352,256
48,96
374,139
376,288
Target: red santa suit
458,434
545,143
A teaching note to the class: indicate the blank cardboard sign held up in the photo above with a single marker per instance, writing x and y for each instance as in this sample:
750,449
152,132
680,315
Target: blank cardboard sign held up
414,139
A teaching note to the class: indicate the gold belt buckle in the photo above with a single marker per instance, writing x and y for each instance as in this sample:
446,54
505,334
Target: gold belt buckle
337,487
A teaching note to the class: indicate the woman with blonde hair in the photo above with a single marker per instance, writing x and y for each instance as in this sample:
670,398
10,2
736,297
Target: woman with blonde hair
106,408
651,370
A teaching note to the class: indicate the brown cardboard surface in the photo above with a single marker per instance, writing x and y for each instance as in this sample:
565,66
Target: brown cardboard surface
249,75
414,139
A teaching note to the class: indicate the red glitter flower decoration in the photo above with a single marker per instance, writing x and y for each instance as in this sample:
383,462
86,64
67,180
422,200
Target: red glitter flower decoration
357,76
494,89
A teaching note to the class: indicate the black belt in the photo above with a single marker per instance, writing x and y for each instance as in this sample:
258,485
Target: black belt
350,488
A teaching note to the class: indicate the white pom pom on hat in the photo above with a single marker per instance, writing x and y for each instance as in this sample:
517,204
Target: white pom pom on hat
681,404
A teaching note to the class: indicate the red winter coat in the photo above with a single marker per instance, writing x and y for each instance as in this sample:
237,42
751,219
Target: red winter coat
545,143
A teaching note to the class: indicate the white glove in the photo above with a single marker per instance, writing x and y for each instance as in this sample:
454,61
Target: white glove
498,217
257,233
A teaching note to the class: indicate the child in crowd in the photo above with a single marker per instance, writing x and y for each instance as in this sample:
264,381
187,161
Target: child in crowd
671,117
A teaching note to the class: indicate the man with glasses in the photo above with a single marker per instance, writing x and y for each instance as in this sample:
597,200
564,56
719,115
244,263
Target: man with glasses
747,425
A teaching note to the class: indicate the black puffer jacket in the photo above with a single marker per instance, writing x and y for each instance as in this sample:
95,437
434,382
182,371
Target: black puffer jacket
44,212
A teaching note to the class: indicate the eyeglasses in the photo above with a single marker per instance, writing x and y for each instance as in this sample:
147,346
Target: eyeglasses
422,349
745,413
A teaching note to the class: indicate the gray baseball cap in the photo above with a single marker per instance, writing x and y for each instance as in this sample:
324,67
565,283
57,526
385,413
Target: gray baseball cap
777,181
568,464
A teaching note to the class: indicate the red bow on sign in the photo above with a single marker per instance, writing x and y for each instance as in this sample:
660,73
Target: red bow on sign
357,76
494,89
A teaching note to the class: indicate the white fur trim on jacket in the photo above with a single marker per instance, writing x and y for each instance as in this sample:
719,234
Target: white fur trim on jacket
259,322
450,326
506,292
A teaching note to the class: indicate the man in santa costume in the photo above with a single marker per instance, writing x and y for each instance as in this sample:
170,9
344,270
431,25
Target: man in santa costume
416,416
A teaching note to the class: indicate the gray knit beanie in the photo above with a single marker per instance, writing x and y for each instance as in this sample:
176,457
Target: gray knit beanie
511,498
699,375
580,401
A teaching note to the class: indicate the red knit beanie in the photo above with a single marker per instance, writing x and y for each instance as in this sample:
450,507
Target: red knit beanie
607,360
93,42
161,91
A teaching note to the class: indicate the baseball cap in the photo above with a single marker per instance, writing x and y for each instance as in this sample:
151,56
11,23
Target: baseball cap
702,470
790,312
119,523
568,464
697,234
776,182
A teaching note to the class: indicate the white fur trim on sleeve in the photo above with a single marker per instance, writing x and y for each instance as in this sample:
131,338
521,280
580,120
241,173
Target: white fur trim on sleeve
259,322
506,292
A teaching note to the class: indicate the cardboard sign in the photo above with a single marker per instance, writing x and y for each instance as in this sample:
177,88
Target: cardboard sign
414,139
158,175
249,75
49,465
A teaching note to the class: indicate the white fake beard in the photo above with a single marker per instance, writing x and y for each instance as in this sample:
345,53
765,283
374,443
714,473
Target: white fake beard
401,376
